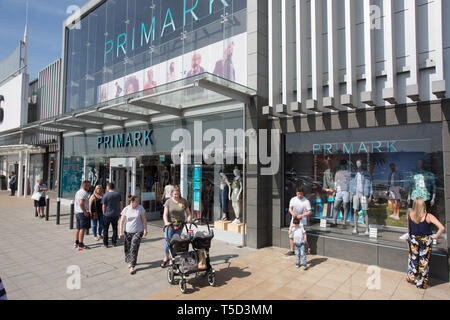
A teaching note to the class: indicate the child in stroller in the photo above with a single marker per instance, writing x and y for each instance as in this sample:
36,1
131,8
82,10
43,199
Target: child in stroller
187,262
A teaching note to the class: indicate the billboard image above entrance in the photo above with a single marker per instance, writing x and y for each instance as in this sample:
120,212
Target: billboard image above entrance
123,47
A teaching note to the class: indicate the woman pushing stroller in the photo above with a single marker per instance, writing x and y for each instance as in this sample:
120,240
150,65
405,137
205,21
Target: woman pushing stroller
174,213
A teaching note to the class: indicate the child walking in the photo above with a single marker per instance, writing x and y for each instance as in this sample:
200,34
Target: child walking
299,235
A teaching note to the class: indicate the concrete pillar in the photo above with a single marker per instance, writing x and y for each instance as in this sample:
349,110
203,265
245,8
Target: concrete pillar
27,174
20,175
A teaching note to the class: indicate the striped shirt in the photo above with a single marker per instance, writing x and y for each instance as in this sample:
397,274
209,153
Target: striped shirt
2,291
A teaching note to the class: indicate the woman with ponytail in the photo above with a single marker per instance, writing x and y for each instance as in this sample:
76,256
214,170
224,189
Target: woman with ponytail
420,242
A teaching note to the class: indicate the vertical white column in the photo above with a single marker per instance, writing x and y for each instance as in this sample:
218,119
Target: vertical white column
274,52
349,99
301,35
438,81
367,97
412,84
390,57
288,54
20,175
316,103
183,175
27,173
332,101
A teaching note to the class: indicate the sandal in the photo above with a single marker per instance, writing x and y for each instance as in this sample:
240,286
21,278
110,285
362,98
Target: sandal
164,264
409,280
132,271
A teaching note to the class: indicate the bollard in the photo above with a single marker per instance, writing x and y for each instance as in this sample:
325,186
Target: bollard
72,213
47,209
58,211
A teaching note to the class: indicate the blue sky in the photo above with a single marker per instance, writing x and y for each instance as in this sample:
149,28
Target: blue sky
45,18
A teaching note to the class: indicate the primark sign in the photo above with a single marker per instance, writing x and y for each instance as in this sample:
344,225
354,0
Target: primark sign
168,17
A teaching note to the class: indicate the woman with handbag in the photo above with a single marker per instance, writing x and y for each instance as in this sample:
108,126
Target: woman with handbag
420,242
95,205
39,198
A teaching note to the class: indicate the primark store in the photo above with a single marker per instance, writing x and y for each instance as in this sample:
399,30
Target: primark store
239,102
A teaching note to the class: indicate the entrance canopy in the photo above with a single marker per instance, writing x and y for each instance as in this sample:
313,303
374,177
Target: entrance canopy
194,96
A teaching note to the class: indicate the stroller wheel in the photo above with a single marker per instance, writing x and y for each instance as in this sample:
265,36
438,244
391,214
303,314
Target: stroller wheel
170,275
211,279
183,286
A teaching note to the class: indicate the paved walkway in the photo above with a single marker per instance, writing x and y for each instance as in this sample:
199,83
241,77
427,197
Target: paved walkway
267,275
35,255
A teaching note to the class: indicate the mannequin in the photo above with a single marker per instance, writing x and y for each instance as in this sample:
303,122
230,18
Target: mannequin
342,181
328,184
95,178
91,176
237,189
422,185
224,195
361,193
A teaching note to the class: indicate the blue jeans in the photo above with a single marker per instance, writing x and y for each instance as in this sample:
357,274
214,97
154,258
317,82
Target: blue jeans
168,235
300,251
97,223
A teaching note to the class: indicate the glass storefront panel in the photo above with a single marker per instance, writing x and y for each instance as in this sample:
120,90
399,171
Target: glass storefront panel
369,175
152,168
124,47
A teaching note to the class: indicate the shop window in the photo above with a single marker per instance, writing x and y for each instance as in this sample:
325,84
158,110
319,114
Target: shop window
368,176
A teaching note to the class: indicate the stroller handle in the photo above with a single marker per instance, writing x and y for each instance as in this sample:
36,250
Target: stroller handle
200,220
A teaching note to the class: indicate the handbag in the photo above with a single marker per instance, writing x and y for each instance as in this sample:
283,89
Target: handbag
201,260
36,196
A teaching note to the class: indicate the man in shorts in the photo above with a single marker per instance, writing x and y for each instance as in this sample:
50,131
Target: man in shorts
300,208
82,213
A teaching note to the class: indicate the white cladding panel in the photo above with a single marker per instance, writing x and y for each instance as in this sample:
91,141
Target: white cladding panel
409,50
15,107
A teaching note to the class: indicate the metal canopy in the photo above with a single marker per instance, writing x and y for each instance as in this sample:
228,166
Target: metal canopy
202,94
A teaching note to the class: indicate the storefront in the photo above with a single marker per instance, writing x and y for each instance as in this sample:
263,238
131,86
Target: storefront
149,86
139,162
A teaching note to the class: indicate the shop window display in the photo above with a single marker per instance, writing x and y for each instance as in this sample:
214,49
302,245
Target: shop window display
354,181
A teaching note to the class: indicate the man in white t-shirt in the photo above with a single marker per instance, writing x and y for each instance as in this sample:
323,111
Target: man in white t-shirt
300,208
82,214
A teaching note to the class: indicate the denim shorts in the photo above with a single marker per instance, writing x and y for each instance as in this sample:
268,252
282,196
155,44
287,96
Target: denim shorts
343,196
83,222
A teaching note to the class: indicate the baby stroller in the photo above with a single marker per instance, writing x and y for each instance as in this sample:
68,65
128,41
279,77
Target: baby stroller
185,262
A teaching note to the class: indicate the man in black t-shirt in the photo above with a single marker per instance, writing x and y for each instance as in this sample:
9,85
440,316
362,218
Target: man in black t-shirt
112,207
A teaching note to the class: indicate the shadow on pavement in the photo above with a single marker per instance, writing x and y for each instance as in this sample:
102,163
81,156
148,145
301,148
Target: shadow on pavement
314,262
222,277
148,265
224,258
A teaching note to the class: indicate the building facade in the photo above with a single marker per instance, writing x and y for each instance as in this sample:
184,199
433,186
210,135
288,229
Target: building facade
358,90
330,95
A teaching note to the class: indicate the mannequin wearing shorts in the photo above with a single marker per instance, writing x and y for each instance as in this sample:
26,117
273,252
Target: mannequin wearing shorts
361,192
341,183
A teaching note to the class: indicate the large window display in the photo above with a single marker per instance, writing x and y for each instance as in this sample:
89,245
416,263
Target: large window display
361,178
214,190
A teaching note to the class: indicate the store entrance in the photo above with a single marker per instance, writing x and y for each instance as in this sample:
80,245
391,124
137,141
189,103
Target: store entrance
119,176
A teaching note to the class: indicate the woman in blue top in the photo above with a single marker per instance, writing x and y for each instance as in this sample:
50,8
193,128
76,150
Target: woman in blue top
420,241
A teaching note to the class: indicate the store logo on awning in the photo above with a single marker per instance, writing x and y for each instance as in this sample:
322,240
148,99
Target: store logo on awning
356,147
125,140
